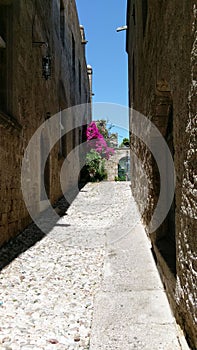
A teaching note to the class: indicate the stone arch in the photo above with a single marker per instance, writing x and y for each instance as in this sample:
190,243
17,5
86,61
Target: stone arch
113,162
124,167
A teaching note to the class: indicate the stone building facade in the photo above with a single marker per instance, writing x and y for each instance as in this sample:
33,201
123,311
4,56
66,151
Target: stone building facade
42,72
162,52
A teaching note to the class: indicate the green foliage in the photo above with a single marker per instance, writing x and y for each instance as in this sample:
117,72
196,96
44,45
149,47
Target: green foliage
120,178
102,126
95,166
125,143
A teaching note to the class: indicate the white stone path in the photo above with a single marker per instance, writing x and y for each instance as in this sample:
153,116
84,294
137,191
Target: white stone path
94,264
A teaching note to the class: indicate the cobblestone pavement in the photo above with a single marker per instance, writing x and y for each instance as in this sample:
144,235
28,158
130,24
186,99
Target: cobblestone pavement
47,290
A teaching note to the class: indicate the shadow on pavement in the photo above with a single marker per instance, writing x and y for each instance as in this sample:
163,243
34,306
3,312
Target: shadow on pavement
31,234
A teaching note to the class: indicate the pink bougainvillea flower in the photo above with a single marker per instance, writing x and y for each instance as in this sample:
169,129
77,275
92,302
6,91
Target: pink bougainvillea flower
93,132
96,141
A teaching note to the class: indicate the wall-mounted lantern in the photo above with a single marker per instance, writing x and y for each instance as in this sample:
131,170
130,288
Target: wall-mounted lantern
46,67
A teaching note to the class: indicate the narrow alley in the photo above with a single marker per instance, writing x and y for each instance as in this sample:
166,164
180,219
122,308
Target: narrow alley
90,283
98,91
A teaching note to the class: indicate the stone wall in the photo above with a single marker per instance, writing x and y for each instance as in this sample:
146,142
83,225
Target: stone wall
30,30
162,50
111,165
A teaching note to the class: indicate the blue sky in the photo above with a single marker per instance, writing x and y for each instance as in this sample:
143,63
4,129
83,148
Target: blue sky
105,51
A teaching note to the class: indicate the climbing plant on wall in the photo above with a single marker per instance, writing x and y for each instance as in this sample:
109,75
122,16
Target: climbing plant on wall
98,151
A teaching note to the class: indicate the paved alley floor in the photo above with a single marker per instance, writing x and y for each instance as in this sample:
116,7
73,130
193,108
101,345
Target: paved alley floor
90,283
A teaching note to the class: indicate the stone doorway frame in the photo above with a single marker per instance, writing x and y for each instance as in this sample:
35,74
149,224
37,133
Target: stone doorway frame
164,239
44,171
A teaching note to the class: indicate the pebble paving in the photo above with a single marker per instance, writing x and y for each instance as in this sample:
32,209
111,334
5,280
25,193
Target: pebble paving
47,291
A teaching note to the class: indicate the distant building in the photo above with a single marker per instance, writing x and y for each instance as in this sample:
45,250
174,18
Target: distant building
162,49
42,71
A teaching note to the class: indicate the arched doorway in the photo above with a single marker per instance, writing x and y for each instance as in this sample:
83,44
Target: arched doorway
124,168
